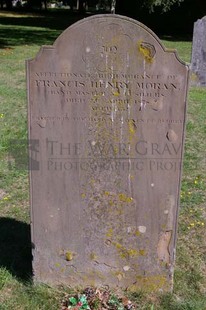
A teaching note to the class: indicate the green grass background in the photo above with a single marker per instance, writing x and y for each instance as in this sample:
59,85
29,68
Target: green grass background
21,36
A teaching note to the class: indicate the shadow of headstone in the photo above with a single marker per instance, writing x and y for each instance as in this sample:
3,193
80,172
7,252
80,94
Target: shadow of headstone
15,248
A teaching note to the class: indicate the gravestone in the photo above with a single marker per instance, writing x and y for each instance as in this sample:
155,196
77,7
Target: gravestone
107,109
198,63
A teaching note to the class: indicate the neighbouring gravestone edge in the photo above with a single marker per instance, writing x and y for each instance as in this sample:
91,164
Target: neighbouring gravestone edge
110,16
197,74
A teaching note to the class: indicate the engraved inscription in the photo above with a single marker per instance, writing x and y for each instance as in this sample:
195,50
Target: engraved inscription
139,90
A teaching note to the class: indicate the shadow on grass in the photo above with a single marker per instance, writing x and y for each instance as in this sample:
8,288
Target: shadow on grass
58,21
16,31
16,37
15,248
43,28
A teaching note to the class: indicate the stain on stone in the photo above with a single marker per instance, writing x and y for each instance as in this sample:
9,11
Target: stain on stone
132,129
157,104
147,50
57,265
142,252
150,283
120,275
116,93
167,228
163,247
93,256
171,135
194,78
169,212
69,256
124,252
42,123
109,233
108,242
137,233
142,229
124,198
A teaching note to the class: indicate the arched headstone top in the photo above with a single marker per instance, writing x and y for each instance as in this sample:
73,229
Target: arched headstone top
107,105
108,28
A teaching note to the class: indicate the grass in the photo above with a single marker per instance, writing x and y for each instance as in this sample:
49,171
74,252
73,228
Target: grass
21,35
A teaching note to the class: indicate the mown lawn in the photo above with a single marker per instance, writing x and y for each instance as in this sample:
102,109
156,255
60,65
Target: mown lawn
21,35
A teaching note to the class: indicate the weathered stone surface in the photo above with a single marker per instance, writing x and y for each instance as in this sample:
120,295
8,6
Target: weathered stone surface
198,63
107,104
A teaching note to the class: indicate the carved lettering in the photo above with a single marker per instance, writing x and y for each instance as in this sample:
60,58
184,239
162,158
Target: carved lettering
156,86
59,83
109,49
